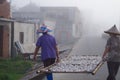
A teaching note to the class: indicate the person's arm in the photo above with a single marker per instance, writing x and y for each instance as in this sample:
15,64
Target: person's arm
57,53
36,52
107,48
105,52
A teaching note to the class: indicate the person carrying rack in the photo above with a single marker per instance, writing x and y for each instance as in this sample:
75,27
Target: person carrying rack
49,50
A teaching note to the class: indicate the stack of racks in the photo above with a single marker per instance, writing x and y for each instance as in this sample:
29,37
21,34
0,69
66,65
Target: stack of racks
76,64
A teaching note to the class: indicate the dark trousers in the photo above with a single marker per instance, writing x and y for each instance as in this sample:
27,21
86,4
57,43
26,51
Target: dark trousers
47,63
112,69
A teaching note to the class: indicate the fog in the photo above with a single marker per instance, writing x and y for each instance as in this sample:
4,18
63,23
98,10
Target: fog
96,15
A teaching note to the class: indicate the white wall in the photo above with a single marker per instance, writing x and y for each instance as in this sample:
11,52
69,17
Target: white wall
29,35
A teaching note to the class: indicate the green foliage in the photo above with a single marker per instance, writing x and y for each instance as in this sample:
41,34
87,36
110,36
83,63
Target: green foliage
19,57
13,69
4,76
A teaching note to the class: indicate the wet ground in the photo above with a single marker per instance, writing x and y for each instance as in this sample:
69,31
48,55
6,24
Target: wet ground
87,45
32,75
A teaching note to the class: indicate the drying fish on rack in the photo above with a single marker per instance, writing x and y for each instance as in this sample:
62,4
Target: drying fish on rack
76,64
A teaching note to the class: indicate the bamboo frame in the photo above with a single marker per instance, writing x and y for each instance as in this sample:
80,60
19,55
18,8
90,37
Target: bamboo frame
46,70
93,72
97,67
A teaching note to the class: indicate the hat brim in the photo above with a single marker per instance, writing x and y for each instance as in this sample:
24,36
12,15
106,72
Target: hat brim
111,33
41,31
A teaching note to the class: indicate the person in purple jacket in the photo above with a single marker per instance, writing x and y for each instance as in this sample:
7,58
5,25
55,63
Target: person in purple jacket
49,50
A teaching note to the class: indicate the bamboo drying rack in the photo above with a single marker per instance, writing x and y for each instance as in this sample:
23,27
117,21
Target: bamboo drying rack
93,72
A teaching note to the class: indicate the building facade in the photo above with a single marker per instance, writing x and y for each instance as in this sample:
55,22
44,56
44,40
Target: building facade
12,31
5,38
4,9
67,27
65,21
29,13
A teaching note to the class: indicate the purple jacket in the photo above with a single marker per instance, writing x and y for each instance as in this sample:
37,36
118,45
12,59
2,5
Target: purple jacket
47,44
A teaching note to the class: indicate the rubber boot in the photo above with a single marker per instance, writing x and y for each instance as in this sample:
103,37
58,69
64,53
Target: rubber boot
49,76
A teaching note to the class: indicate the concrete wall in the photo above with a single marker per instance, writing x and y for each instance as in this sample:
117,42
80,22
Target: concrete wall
65,20
10,32
29,35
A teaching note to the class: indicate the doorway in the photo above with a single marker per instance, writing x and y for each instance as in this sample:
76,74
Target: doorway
1,41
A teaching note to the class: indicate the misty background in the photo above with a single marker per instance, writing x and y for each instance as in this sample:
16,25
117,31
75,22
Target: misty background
97,15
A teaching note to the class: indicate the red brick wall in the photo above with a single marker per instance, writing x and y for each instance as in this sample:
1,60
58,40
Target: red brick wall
5,9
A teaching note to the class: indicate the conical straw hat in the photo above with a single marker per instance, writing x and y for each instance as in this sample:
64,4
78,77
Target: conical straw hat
113,30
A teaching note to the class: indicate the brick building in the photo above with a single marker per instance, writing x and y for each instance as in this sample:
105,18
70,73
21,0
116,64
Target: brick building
12,31
65,21
4,9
